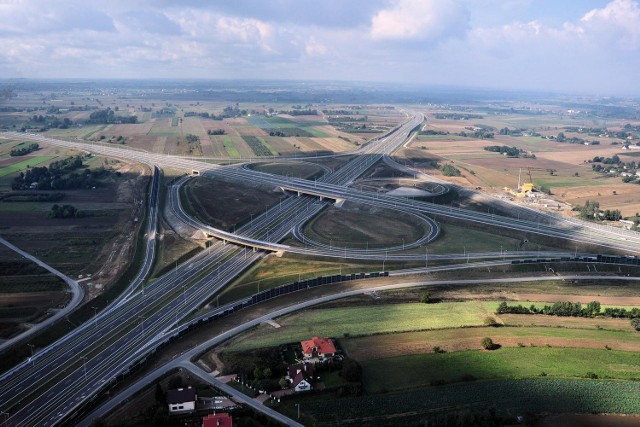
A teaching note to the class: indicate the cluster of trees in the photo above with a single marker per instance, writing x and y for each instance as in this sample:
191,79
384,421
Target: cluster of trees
514,132
24,150
64,211
575,309
478,133
277,133
204,115
229,112
450,170
562,308
307,112
347,119
433,132
216,132
591,211
192,139
45,123
502,149
457,116
60,175
341,112
108,116
608,160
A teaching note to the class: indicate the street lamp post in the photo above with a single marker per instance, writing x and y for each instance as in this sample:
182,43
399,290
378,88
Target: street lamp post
84,363
95,311
31,346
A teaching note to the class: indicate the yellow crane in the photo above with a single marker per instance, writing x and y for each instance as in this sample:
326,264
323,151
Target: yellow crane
527,189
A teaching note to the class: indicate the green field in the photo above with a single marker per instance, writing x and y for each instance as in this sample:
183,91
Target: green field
512,396
283,124
229,146
30,161
259,146
423,370
366,320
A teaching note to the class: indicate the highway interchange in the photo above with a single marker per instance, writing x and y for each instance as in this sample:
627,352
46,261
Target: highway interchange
62,377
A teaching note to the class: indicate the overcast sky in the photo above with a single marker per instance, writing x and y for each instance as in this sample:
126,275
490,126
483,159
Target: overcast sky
572,45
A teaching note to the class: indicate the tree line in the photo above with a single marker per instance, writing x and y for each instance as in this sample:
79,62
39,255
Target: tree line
22,151
60,175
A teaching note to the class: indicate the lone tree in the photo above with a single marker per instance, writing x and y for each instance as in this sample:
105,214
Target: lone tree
425,297
487,343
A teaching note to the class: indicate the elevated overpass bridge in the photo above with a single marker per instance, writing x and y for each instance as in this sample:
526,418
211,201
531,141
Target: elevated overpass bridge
245,241
310,192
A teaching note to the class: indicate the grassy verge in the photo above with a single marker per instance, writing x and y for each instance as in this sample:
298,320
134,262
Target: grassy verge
363,320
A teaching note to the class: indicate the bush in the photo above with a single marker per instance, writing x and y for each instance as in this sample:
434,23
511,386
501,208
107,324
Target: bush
490,321
425,297
487,343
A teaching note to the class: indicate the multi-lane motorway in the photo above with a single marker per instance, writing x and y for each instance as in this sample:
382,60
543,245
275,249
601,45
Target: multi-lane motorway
60,378
54,383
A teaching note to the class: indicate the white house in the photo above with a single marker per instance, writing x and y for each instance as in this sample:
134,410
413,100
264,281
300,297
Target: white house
181,400
301,377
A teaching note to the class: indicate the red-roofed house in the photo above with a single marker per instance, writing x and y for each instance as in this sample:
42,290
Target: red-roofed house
217,420
301,376
318,347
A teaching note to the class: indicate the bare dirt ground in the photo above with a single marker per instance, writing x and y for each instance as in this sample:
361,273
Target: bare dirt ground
461,339
225,204
119,251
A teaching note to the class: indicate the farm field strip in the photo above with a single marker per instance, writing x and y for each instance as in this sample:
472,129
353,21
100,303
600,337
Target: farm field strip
518,396
229,146
29,161
364,321
421,370
560,335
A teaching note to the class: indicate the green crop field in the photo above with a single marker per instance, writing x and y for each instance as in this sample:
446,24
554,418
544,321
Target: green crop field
422,370
258,146
515,396
229,146
29,161
261,122
367,320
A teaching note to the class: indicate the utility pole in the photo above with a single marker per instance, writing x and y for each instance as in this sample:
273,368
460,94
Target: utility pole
95,311
426,257
31,346
84,363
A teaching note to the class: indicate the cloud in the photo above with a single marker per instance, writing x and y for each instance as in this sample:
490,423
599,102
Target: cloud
618,23
147,21
33,17
420,20
314,48
325,13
